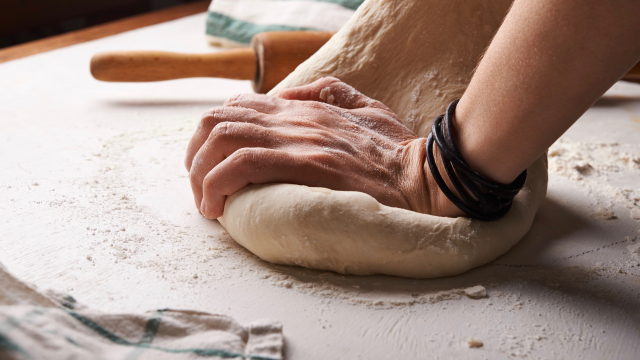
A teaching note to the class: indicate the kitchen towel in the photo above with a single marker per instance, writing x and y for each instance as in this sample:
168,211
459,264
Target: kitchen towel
232,23
45,325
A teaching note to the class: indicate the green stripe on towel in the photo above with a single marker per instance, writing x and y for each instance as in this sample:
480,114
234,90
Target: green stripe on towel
150,331
241,31
349,4
205,352
9,346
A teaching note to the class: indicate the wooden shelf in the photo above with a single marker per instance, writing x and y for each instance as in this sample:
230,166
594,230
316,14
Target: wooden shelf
100,31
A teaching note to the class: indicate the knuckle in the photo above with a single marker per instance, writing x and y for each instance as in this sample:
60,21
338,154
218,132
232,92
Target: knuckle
211,117
319,161
320,157
221,128
235,100
209,183
194,178
196,165
245,156
329,80
382,107
223,131
188,161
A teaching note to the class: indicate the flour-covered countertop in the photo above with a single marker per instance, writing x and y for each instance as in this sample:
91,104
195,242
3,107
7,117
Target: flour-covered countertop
95,201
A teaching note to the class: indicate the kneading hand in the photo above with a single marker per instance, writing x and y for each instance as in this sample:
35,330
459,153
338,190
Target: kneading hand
324,134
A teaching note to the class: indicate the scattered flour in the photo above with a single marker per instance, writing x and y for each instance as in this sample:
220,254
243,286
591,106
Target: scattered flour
592,165
634,251
123,232
605,213
389,292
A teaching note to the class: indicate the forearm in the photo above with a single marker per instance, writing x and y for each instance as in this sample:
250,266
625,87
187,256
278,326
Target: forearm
548,63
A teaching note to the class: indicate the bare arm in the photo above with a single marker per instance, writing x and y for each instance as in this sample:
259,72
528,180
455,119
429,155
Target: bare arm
548,63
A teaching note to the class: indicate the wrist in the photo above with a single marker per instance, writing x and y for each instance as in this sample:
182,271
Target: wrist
478,197
440,204
483,145
418,185
412,182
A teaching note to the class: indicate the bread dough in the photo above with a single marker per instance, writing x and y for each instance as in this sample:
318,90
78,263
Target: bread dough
415,56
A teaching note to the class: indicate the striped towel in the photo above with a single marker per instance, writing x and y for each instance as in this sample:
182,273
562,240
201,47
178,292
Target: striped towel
35,325
232,23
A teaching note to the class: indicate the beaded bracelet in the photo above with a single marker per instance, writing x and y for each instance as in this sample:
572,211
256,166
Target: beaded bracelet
480,198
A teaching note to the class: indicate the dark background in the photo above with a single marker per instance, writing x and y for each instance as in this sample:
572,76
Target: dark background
26,20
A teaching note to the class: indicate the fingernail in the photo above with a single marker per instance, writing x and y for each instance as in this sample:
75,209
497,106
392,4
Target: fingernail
203,208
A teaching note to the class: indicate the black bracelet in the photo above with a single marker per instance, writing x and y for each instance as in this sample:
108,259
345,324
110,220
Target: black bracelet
480,198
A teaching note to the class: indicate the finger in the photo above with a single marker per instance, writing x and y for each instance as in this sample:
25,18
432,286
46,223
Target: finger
333,92
309,92
212,118
251,166
224,139
263,103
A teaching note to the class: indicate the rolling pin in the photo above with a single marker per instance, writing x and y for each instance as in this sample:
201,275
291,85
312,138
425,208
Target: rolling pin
271,57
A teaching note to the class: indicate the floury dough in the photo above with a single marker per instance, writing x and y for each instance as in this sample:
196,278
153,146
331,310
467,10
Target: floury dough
415,56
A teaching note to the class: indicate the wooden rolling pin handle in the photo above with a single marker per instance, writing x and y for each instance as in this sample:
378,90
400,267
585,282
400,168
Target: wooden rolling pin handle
237,64
272,56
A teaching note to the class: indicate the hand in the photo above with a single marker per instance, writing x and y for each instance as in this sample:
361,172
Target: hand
324,134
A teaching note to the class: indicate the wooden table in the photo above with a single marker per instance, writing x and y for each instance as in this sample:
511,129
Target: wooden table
95,201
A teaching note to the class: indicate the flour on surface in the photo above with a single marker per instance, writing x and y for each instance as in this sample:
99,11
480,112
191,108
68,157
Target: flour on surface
598,167
634,251
605,213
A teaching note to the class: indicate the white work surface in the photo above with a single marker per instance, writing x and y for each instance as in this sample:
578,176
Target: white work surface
95,201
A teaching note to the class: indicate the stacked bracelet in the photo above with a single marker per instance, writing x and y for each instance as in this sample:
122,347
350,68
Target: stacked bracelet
480,198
